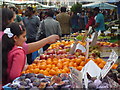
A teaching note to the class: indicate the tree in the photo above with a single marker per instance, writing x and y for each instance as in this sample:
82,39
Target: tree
76,8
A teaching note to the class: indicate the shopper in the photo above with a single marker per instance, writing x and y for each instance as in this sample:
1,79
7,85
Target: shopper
74,20
99,20
91,20
31,23
64,19
83,20
13,55
99,24
50,26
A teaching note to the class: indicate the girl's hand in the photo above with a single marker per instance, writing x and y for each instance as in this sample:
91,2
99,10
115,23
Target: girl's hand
52,38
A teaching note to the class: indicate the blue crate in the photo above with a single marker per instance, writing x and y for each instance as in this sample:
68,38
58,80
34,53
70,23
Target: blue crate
5,87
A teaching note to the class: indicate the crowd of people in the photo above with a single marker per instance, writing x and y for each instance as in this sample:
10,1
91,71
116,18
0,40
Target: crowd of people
21,34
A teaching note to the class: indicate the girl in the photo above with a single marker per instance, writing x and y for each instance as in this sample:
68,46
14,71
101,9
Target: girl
13,55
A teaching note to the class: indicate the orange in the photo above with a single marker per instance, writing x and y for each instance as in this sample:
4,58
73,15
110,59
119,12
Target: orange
43,63
75,64
59,65
114,66
71,64
31,70
73,60
46,73
36,61
55,62
36,71
49,61
41,71
49,66
79,68
98,60
30,67
66,63
27,71
23,72
78,61
55,59
53,65
101,65
63,71
48,69
82,63
43,67
52,72
66,69
104,62
87,60
58,72
82,58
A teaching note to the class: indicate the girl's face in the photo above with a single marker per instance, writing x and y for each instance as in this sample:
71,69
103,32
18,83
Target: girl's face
20,40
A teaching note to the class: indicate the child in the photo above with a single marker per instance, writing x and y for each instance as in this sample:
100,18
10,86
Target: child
13,55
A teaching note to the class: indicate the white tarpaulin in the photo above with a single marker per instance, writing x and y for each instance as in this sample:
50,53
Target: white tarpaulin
101,5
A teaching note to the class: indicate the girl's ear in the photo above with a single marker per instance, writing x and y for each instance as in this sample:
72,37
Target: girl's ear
15,38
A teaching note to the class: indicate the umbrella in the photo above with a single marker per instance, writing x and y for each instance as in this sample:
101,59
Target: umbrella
101,5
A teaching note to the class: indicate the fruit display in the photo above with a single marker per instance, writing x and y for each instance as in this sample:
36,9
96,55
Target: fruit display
57,58
73,35
34,81
107,44
51,70
50,66
63,81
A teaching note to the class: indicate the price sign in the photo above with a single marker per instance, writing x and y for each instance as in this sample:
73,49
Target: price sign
92,69
110,62
76,76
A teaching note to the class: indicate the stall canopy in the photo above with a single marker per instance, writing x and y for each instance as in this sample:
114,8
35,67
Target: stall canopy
101,5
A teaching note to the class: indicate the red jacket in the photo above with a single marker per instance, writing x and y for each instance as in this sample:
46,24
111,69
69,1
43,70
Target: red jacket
16,62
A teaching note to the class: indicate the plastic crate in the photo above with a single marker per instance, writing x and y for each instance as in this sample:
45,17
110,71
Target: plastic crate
5,87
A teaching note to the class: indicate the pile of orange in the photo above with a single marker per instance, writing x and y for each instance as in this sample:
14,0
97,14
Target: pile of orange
66,43
56,66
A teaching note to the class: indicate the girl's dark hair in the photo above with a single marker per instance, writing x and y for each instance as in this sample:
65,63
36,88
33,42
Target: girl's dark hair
7,45
7,15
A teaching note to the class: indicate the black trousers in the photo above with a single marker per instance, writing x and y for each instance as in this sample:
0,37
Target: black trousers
29,56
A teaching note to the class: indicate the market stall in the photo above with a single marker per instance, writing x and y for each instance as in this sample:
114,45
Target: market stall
85,67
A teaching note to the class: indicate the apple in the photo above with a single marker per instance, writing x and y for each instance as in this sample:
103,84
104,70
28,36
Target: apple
62,45
60,52
50,52
42,56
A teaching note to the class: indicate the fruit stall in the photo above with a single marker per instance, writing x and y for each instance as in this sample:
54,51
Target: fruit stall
95,67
